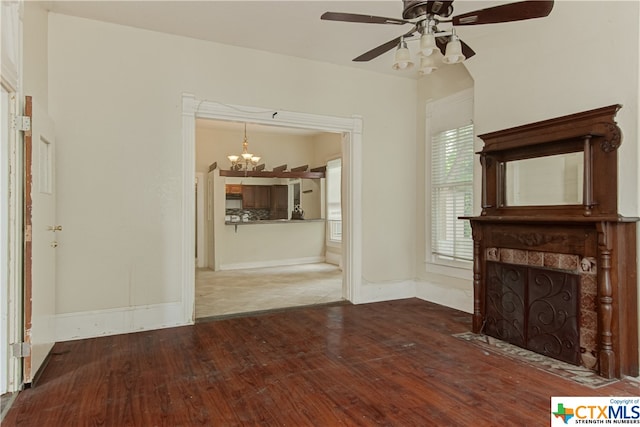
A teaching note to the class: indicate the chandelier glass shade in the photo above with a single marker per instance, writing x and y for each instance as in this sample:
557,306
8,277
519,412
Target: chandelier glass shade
453,53
402,59
428,44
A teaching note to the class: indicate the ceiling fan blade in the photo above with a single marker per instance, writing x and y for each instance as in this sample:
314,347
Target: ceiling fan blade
377,51
441,42
505,13
383,48
466,50
365,19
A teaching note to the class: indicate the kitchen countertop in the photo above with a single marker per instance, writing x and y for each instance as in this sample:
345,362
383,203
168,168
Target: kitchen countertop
273,221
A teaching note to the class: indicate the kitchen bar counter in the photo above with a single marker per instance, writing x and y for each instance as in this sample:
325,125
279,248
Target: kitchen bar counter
273,221
266,243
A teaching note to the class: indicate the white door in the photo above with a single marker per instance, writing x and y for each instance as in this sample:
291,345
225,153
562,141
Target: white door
41,306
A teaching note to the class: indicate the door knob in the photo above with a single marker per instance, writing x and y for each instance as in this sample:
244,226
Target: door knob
55,228
54,244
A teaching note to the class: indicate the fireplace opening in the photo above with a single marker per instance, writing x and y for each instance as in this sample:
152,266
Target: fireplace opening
534,308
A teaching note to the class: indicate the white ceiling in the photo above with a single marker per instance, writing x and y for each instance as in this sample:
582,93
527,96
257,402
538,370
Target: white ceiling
286,27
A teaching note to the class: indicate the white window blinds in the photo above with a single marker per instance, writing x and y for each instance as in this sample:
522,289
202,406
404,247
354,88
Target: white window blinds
452,193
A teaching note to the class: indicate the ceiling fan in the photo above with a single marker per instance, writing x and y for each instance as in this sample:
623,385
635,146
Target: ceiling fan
436,45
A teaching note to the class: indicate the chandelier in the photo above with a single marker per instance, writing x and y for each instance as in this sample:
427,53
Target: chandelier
245,160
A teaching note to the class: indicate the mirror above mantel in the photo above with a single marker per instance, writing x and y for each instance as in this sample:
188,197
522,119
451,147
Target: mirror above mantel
542,181
566,165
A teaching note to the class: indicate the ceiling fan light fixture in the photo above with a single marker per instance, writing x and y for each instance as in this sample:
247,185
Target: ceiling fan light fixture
425,15
453,53
428,64
428,44
403,57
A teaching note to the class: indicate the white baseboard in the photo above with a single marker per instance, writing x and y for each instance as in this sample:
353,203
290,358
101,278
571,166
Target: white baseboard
88,324
272,263
333,258
385,291
460,299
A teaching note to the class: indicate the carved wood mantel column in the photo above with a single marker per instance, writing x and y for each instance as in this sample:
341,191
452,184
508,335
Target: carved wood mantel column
478,291
605,300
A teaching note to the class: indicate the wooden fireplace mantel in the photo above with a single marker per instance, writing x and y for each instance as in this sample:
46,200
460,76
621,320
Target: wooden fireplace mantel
592,231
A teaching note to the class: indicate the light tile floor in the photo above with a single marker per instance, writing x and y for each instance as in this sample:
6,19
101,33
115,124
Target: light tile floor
228,292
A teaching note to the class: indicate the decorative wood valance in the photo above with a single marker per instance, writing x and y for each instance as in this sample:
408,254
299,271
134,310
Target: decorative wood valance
596,123
272,174
277,172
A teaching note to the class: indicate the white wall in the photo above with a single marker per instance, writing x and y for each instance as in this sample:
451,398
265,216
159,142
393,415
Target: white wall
115,96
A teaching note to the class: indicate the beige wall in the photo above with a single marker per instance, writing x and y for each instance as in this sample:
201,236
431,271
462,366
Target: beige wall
35,51
115,97
555,76
114,93
252,245
264,244
327,146
214,145
442,83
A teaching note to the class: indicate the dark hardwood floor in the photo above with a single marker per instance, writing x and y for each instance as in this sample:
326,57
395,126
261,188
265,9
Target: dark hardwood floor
391,363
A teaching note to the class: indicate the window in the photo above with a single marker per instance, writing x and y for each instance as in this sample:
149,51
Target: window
450,132
334,205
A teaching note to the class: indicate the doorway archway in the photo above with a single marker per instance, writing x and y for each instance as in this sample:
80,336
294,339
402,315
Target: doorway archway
351,130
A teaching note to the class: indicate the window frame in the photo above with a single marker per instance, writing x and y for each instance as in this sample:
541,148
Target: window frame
329,221
460,102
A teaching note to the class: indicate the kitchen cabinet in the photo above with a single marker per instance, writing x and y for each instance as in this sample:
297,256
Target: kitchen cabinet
233,189
279,204
256,196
